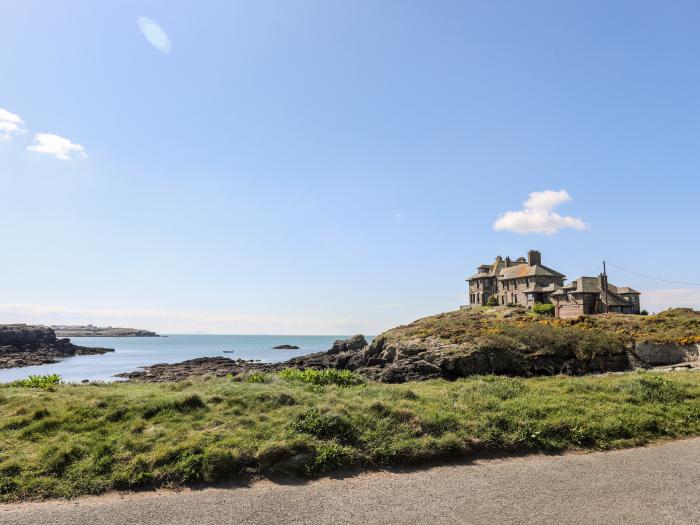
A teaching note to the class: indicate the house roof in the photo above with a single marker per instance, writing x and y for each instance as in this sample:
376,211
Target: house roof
517,269
614,299
626,289
525,270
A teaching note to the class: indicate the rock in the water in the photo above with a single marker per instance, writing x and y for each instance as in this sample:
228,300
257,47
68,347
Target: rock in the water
285,347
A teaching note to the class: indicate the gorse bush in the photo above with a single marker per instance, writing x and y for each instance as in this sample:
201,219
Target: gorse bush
327,376
492,301
39,381
548,340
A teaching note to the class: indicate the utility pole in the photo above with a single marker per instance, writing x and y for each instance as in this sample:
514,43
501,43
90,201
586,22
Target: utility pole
605,280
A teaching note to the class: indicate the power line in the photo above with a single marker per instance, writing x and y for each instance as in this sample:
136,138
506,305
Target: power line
652,278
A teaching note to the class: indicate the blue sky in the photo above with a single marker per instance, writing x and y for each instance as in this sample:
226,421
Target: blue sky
337,167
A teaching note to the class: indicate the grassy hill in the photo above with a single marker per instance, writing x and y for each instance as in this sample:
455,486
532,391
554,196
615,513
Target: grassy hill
681,325
515,341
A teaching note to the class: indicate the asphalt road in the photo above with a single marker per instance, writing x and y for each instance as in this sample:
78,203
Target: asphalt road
657,484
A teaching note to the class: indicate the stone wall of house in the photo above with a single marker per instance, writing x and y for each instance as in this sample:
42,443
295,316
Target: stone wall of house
481,289
568,310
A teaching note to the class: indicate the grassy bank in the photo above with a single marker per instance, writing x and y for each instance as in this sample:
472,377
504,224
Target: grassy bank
68,440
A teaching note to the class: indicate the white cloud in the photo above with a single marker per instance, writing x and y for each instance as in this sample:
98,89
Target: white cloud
537,215
10,124
57,146
155,35
658,300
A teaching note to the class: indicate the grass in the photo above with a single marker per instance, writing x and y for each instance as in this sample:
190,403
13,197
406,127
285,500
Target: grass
67,440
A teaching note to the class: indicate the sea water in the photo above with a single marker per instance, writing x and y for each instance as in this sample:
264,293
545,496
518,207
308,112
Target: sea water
132,353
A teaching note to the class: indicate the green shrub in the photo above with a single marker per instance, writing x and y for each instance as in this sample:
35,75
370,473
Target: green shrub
219,464
644,312
277,400
186,404
543,309
654,389
44,381
256,377
11,468
439,423
325,426
492,301
7,485
504,387
327,376
56,458
329,456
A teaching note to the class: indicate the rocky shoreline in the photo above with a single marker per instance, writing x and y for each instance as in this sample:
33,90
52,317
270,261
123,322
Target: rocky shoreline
100,331
437,347
25,345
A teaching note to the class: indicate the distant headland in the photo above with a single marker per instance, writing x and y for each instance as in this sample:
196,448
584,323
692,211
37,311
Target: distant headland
99,331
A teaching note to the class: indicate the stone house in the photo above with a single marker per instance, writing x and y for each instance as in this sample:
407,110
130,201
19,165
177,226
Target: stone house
587,295
524,282
528,282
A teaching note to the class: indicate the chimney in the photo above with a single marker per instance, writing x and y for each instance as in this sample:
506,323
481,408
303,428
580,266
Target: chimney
507,262
534,257
602,281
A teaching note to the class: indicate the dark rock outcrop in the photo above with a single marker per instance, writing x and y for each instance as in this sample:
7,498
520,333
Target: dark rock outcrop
202,366
356,342
25,345
663,354
285,347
